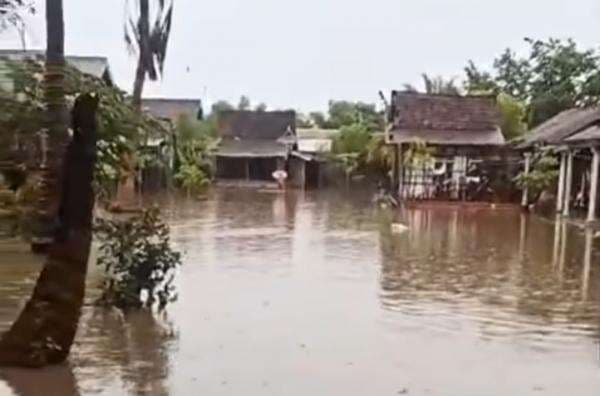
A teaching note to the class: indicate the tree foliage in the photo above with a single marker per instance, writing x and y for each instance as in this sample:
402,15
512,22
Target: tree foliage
21,115
352,138
344,113
139,261
244,103
513,116
554,76
542,175
197,145
436,85
12,15
147,36
220,106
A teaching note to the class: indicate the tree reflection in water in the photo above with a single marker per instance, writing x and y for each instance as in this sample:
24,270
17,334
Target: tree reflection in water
113,352
54,380
136,345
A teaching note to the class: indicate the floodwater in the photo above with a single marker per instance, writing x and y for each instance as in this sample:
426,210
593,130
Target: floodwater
312,294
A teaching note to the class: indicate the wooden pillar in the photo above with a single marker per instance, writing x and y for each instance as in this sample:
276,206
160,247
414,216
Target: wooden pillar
593,185
560,196
525,198
247,169
396,170
400,172
568,183
587,263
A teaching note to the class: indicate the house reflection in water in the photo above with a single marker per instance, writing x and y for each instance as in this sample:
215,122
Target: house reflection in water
493,269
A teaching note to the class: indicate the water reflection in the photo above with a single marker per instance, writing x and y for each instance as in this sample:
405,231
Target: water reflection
131,350
456,266
57,380
285,293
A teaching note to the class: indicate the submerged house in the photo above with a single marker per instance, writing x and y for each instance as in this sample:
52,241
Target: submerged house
254,144
442,143
308,165
163,148
575,135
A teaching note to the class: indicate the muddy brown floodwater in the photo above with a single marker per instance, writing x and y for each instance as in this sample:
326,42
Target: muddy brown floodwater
312,294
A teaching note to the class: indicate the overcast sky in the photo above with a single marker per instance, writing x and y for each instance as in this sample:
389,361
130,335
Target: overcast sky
301,53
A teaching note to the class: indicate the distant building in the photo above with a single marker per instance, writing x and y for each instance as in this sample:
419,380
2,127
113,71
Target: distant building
96,66
173,109
254,144
308,162
460,132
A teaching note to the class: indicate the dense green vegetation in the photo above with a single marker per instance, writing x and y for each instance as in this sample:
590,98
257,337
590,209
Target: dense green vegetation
554,76
120,128
196,143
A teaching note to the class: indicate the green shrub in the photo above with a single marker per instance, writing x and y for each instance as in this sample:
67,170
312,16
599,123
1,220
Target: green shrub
138,261
543,174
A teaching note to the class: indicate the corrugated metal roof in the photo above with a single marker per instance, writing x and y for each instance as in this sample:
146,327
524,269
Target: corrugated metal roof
450,138
250,148
172,109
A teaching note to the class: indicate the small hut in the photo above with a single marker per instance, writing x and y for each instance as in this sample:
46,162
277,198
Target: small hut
442,143
308,162
254,144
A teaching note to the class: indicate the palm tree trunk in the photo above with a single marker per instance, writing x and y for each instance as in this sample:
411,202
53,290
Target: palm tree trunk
138,85
126,188
57,121
44,331
144,55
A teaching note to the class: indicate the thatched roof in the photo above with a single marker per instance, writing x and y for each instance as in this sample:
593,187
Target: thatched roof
172,109
96,66
562,126
257,125
589,134
445,119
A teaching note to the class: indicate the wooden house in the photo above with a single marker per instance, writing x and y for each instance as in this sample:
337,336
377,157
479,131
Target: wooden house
254,144
441,142
575,135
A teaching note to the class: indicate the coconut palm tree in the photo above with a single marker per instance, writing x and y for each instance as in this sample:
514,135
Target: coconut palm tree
56,109
148,40
11,15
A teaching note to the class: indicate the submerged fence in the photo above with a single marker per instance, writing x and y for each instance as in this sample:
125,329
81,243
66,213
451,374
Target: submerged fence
461,179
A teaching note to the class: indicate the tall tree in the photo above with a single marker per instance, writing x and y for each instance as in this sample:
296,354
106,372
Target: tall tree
147,33
57,119
555,75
